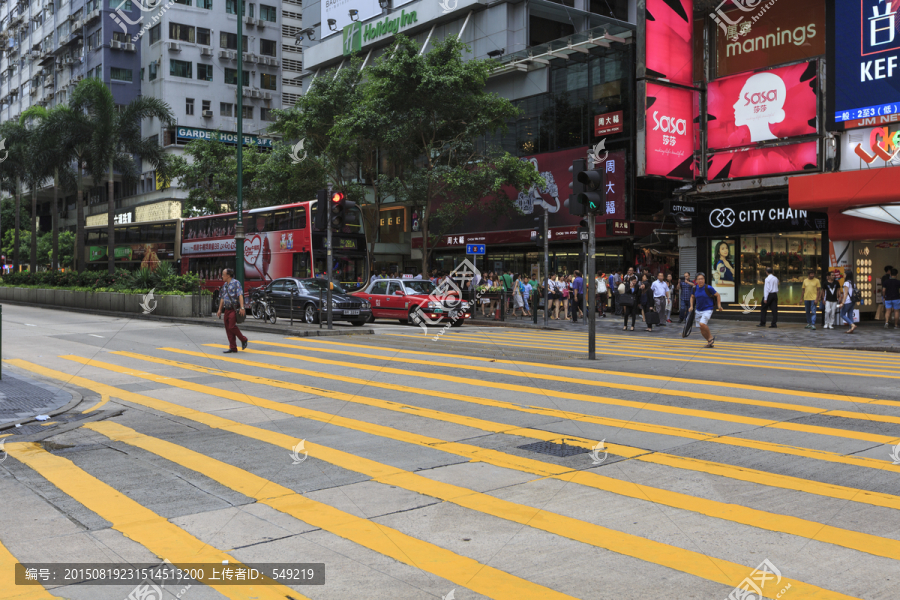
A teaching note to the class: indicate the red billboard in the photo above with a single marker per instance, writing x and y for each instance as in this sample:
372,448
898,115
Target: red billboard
762,106
669,39
760,162
669,132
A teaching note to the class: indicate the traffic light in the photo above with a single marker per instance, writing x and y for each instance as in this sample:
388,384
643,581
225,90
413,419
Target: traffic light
538,237
593,195
575,205
321,210
336,208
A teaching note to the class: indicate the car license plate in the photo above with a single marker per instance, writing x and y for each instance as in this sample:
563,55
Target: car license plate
351,312
438,310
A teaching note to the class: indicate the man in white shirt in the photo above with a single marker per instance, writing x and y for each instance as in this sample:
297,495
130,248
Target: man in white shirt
660,294
770,299
419,276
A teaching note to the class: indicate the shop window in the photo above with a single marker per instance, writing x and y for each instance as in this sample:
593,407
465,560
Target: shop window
791,256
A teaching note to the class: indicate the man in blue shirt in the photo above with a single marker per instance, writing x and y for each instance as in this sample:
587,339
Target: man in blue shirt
704,300
578,296
231,300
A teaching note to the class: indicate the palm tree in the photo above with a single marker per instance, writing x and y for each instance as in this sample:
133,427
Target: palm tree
14,136
116,140
37,169
54,146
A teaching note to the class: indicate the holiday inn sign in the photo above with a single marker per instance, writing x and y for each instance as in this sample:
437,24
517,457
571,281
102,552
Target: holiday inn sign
356,33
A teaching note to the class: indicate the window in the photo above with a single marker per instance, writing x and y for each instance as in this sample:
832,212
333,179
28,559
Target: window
180,68
118,36
266,114
185,2
119,74
207,4
184,33
267,13
93,42
204,72
267,47
203,36
142,73
231,8
231,77
153,70
154,34
229,41
247,112
91,5
189,106
206,105
268,82
226,109
123,5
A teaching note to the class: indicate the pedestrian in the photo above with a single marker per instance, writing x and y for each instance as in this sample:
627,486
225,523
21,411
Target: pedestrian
577,296
526,294
770,299
628,300
705,300
848,301
517,298
660,295
670,299
231,301
553,296
891,292
685,291
485,302
646,300
566,292
602,294
812,295
832,291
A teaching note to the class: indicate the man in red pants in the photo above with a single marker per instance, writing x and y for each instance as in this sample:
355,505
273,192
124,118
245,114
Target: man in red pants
231,299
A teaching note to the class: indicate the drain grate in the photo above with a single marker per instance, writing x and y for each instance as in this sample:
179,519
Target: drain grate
553,449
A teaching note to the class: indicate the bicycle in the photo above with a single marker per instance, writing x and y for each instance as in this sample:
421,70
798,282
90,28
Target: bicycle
260,307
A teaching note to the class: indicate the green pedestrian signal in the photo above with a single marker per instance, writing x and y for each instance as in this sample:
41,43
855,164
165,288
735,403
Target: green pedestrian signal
593,196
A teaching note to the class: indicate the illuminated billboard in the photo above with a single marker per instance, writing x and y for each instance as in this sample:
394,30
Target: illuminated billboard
669,52
668,132
764,161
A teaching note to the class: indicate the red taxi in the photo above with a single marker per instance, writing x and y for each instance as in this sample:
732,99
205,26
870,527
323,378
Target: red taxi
402,298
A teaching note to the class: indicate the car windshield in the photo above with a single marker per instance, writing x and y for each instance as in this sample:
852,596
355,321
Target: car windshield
418,286
317,285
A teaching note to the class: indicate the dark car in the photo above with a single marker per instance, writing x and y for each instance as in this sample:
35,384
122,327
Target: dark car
303,295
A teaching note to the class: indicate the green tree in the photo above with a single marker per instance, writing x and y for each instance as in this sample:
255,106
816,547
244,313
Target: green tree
13,170
116,140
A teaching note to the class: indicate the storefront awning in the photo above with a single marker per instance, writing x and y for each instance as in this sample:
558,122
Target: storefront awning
859,203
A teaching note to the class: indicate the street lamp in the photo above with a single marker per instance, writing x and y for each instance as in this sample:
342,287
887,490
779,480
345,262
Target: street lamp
354,14
332,24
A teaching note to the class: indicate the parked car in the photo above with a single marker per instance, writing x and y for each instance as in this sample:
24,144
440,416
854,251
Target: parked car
400,298
305,294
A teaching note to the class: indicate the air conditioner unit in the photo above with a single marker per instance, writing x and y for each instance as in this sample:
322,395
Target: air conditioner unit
273,61
117,45
267,95
232,54
94,14
260,23
33,91
249,20
68,60
71,17
77,25
206,51
207,114
173,46
128,46
251,58
35,54
222,53
48,83
255,94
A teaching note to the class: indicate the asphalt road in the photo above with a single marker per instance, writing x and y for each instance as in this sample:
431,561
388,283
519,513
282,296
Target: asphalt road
481,463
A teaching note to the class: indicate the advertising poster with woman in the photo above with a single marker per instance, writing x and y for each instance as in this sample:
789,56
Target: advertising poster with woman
723,268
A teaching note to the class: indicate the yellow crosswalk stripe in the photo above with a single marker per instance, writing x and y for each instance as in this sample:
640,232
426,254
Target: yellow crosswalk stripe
729,512
537,410
8,588
388,541
686,561
137,522
630,374
592,383
531,390
665,355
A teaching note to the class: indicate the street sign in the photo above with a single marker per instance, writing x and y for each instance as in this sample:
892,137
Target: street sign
476,249
584,236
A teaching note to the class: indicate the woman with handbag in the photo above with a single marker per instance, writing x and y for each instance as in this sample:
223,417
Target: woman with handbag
628,300
849,298
646,300
231,302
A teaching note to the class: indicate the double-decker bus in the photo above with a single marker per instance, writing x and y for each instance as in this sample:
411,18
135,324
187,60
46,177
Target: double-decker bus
279,241
137,244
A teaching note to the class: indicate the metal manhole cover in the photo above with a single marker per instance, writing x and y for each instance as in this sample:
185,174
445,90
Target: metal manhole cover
553,449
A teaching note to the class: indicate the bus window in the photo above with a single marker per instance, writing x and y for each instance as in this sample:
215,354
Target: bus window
230,223
282,220
301,265
299,218
249,223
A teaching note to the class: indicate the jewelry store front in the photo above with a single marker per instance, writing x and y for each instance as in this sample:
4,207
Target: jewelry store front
736,242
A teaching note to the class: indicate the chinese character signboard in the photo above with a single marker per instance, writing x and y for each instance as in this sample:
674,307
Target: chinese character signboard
613,169
764,106
668,132
608,124
668,35
864,62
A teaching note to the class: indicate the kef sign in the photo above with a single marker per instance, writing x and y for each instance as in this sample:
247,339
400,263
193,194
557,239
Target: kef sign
760,107
669,132
670,41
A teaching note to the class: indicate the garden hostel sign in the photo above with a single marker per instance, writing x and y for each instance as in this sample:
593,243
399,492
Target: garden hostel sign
355,34
186,135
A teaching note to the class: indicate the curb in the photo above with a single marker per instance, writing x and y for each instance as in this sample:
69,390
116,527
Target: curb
203,321
77,398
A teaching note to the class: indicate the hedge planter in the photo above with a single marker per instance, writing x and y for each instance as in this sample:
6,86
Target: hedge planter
165,305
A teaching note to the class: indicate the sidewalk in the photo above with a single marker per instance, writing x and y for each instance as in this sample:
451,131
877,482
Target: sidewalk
22,398
871,335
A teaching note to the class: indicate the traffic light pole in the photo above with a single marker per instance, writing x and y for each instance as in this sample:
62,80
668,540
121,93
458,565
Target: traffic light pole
546,266
592,288
239,226
328,261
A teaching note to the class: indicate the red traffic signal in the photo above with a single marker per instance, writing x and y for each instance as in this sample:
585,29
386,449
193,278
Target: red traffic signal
337,197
